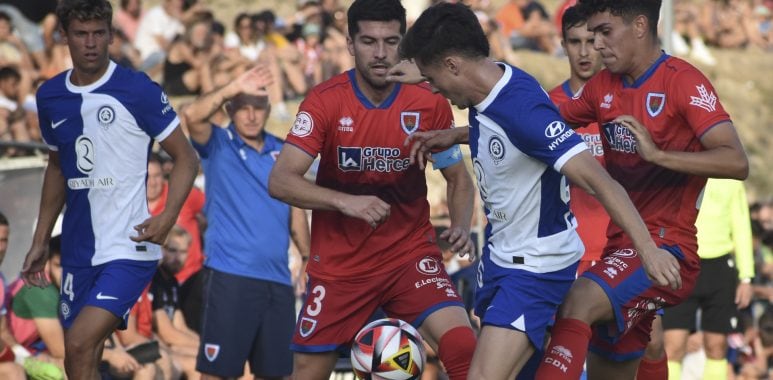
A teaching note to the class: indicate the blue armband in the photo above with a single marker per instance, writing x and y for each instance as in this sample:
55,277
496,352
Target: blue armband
447,157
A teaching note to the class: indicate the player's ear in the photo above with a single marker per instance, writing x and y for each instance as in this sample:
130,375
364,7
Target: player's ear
452,64
641,26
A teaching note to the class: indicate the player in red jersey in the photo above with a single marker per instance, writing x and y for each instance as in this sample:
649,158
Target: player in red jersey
372,242
664,132
584,62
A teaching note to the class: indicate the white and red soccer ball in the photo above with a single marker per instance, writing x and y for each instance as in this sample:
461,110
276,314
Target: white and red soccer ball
388,349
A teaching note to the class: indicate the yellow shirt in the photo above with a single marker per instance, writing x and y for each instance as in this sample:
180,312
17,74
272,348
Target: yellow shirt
723,224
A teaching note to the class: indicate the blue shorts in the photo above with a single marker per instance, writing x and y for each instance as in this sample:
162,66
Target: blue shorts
521,300
114,286
245,319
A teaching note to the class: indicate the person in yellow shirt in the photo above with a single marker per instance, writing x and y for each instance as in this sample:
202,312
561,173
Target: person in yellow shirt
724,285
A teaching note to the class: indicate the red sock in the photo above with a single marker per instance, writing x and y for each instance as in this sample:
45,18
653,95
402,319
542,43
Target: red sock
653,369
455,351
6,355
565,356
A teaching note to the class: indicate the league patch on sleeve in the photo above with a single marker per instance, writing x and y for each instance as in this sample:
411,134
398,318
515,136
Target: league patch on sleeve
303,124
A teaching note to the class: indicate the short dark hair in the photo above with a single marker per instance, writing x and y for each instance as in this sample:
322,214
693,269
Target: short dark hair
55,246
445,28
571,18
84,10
6,17
375,10
627,9
9,72
3,220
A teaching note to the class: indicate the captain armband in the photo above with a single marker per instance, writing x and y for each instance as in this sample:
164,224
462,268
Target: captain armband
447,157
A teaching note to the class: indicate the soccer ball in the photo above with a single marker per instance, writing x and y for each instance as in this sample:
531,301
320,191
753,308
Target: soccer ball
388,349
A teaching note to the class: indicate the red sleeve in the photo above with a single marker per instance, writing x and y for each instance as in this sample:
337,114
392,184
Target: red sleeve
581,109
697,102
444,118
310,126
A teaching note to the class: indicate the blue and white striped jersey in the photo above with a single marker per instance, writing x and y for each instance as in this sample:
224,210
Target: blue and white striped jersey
103,133
519,142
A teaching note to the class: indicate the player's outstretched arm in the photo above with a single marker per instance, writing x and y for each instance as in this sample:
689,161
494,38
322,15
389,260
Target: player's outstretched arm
584,171
723,155
186,165
459,192
287,184
195,117
51,203
423,143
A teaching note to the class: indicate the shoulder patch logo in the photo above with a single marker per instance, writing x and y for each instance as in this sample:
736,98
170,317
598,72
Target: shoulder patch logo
655,103
409,121
705,99
303,124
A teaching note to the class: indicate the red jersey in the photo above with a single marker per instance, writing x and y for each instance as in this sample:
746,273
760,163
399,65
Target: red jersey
678,105
361,152
590,214
187,219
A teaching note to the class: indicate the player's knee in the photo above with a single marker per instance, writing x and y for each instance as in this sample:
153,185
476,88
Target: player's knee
587,302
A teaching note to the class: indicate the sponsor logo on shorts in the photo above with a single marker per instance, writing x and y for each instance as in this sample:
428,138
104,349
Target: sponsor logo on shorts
439,281
307,326
429,266
610,272
101,296
211,351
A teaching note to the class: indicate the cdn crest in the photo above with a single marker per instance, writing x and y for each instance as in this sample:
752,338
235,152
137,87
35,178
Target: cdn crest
410,121
655,103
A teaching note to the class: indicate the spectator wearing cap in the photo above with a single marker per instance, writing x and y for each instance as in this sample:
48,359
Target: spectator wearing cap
246,267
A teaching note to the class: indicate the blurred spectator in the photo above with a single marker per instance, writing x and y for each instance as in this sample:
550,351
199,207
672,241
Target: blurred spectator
171,329
311,51
33,316
527,25
27,17
8,368
156,30
190,217
760,362
127,18
187,64
123,52
288,56
12,49
686,24
724,23
12,125
336,58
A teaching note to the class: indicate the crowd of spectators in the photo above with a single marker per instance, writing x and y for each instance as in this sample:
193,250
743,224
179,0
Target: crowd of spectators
184,46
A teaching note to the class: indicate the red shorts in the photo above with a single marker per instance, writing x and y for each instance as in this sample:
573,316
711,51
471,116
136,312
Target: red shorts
635,300
335,310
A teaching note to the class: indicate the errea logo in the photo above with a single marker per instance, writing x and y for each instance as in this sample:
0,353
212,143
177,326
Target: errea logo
607,103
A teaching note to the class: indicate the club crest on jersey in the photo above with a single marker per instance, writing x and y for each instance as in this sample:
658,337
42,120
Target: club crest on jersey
496,149
64,308
655,103
211,351
307,326
105,116
410,121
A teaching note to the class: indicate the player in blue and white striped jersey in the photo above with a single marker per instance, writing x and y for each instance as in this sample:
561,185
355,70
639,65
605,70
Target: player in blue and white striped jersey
99,121
522,153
